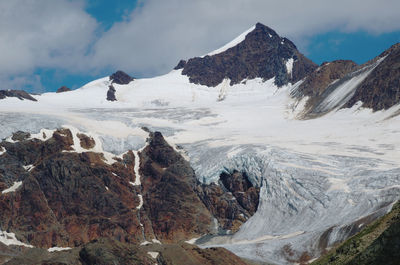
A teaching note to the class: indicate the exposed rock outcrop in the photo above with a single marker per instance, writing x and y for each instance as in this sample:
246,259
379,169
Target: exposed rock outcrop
262,54
20,94
111,93
231,202
169,185
120,78
67,198
63,89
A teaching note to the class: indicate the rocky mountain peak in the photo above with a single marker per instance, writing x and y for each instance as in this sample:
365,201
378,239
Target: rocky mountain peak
262,53
121,78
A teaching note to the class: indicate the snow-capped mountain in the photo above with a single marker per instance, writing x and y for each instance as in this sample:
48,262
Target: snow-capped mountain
319,145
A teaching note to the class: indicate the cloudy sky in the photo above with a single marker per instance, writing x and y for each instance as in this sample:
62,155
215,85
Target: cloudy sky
49,43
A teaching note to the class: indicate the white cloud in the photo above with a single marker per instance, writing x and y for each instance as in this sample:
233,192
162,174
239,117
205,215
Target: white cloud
61,35
160,33
42,33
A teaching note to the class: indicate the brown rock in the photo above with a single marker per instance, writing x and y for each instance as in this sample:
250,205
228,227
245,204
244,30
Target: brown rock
170,201
67,199
63,89
86,141
232,202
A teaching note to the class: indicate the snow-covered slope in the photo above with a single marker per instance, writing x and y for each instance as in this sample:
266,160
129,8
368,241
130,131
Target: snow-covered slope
318,177
232,43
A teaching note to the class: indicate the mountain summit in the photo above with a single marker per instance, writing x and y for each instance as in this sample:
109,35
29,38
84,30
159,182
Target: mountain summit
262,53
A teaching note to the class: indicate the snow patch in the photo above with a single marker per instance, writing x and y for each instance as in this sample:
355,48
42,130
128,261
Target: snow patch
154,255
29,167
109,158
42,135
10,140
289,66
10,239
192,241
2,150
13,188
140,202
156,241
53,249
145,243
136,169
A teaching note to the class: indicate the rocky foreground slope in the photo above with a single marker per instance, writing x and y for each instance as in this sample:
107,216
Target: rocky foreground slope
376,244
58,193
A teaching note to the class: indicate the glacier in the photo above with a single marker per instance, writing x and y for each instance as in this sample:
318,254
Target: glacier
320,178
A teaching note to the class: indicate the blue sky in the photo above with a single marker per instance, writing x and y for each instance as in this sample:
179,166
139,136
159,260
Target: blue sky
50,43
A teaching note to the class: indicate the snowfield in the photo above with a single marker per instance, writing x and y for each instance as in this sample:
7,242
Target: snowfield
315,175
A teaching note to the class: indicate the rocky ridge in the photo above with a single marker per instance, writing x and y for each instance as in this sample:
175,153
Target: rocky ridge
379,88
263,53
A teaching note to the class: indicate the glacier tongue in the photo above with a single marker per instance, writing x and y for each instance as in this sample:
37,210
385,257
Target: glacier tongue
305,200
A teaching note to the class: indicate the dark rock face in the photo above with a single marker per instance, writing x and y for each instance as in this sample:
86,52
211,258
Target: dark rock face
111,93
63,89
381,89
232,202
120,78
168,184
262,54
180,65
20,94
